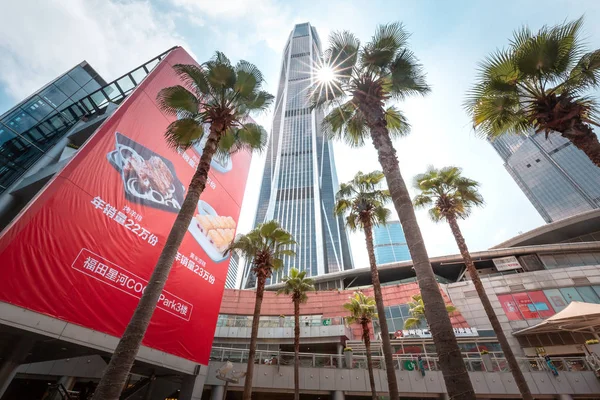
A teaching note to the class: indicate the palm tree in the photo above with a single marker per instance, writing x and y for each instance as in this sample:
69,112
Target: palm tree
450,196
416,309
364,201
541,83
266,246
362,311
222,96
367,77
297,285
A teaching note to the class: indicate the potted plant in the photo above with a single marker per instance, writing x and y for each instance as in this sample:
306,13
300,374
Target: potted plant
281,320
487,360
593,346
348,355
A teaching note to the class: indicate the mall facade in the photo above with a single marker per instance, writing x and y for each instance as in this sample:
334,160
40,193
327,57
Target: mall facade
529,279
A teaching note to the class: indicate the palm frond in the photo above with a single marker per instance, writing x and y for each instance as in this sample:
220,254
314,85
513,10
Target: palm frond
396,122
407,76
387,41
183,133
342,53
177,101
194,78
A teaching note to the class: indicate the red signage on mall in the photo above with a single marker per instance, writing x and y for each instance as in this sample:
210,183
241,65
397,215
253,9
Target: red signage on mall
84,249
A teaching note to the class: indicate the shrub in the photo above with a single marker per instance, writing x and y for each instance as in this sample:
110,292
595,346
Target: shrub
592,341
347,348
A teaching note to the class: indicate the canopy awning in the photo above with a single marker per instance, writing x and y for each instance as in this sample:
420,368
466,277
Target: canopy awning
577,316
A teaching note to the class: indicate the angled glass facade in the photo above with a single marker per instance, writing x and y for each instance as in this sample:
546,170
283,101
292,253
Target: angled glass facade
558,179
299,180
390,243
34,125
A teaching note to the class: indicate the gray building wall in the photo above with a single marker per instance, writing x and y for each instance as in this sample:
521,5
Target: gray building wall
464,296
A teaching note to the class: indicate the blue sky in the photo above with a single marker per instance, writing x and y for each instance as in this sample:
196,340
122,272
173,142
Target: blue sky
449,37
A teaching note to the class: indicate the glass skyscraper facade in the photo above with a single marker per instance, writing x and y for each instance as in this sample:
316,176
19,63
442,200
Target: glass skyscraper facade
299,180
558,179
390,243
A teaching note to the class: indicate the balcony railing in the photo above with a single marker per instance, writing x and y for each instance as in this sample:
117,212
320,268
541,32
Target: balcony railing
401,362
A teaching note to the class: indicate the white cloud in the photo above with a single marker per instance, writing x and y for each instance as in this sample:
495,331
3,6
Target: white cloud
113,36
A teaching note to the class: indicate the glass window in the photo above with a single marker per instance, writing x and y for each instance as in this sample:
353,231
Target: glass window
588,294
91,87
112,91
37,108
99,99
151,65
596,289
79,95
19,121
54,96
138,75
404,310
79,75
395,312
126,84
540,304
556,299
570,294
388,312
67,85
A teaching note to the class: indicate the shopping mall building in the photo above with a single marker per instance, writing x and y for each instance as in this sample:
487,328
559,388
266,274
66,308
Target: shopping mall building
56,338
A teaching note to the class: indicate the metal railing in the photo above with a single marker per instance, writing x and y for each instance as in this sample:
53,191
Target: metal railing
243,321
401,362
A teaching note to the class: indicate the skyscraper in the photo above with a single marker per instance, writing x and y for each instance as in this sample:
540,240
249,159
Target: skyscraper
299,179
390,243
558,179
232,272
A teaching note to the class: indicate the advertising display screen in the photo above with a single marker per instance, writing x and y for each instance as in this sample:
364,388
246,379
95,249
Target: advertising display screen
84,249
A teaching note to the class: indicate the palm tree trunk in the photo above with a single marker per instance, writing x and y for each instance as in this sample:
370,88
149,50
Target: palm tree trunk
367,340
385,337
487,306
456,377
584,138
117,371
260,291
296,349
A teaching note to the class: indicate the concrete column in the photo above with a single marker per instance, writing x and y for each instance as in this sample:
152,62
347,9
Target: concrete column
565,397
340,359
191,387
217,392
338,395
16,357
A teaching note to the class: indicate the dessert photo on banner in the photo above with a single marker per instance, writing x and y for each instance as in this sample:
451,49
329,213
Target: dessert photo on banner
212,231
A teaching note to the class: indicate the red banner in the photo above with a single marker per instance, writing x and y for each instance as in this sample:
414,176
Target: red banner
84,249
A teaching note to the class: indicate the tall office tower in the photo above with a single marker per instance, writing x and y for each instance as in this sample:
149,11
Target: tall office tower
232,272
558,179
390,243
300,180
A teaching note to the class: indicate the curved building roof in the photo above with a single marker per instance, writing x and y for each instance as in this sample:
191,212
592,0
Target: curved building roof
565,230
